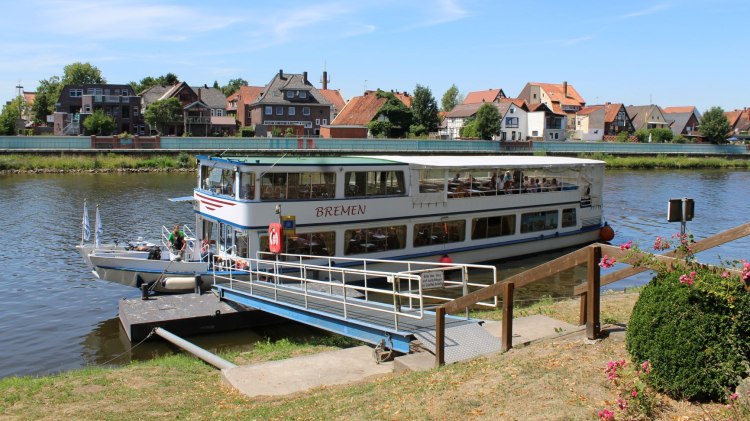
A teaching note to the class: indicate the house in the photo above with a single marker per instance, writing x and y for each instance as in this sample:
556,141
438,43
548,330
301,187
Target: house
238,104
490,95
647,117
559,98
353,120
544,124
616,119
513,121
456,118
683,120
79,101
739,121
337,101
589,123
290,102
199,105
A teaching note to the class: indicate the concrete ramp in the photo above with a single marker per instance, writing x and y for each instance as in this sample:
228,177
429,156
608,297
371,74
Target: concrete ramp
462,342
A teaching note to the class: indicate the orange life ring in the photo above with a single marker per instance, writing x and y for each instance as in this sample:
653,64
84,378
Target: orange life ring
606,233
445,259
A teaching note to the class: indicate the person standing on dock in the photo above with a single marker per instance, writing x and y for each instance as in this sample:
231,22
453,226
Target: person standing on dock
177,240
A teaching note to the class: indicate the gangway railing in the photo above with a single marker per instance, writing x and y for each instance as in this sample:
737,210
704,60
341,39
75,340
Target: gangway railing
318,278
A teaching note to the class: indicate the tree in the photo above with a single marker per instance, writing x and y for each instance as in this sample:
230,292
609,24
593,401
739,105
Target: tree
10,115
233,86
488,121
424,109
450,99
396,112
81,73
99,124
715,126
47,95
162,113
469,130
148,82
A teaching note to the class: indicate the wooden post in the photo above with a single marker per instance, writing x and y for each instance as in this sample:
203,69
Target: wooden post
592,307
582,314
506,340
439,336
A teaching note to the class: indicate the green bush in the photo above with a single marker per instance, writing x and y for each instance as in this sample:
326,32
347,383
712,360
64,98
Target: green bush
641,135
696,336
661,135
247,131
623,137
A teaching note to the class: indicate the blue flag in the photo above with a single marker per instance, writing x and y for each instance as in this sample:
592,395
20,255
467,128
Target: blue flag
85,223
98,233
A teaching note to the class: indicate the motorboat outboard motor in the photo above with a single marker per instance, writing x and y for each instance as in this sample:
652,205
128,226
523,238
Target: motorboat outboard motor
154,253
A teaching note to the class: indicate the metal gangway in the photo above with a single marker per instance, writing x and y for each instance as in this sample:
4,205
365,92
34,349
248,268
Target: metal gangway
386,303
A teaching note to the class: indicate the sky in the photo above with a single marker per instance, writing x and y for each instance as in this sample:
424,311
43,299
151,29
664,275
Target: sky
670,53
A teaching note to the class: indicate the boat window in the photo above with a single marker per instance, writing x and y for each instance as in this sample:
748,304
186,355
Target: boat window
314,244
569,217
431,181
538,221
439,233
219,180
241,243
371,240
298,186
494,226
247,185
374,183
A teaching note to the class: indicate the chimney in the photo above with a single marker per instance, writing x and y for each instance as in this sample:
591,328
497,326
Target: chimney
565,89
281,73
325,79
304,77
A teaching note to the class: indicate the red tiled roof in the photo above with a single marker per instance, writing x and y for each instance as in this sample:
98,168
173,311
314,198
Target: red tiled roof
520,103
249,94
687,109
404,97
360,110
556,94
464,110
733,116
610,112
334,97
490,95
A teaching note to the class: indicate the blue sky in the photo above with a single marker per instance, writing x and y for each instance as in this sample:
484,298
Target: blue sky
691,52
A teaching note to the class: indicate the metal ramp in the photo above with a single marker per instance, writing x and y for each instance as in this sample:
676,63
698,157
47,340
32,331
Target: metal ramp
350,305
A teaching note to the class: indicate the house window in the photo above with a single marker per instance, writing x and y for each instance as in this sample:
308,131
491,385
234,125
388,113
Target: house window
87,108
512,110
305,110
535,132
219,112
290,94
74,93
556,134
513,135
269,110
511,122
279,110
213,112
325,121
135,111
125,92
550,136
292,111
534,96
303,94
317,122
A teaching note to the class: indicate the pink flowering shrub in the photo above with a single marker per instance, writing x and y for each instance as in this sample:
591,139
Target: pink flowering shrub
607,262
635,399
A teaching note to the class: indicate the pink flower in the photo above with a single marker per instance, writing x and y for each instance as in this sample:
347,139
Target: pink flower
733,397
606,414
635,393
661,244
626,246
646,366
607,262
725,274
622,404
688,279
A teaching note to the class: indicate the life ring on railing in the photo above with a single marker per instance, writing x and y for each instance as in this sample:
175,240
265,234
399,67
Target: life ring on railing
275,236
445,259
606,233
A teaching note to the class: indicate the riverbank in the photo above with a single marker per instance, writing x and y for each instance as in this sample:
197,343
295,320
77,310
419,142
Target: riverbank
561,378
112,162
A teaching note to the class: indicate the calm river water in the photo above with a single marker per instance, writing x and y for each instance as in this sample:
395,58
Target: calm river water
55,316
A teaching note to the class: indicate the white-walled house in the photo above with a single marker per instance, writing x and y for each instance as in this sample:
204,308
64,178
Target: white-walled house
543,124
589,123
513,122
456,118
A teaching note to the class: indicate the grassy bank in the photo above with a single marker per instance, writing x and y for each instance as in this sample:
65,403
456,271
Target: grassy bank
108,162
667,162
554,379
102,162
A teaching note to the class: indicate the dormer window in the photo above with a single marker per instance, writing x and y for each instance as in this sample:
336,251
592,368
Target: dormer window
302,94
290,94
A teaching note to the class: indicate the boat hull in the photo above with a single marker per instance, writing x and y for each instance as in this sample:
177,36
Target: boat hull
134,271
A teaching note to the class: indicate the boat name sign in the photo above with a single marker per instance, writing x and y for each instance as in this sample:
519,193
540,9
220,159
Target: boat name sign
340,210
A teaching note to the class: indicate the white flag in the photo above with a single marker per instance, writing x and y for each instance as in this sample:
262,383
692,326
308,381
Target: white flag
85,223
98,233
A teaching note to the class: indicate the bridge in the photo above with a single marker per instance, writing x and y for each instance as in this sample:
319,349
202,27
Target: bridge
386,303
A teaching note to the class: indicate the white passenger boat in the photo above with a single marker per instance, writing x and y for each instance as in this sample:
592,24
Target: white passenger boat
464,209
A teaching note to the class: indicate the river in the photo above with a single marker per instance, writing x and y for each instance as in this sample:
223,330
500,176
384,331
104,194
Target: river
55,315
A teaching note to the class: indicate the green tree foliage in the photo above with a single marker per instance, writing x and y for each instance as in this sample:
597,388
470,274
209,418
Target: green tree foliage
396,112
469,130
715,126
488,121
450,99
380,128
623,137
424,109
80,73
99,124
47,95
10,115
147,82
661,135
233,86
162,113
694,330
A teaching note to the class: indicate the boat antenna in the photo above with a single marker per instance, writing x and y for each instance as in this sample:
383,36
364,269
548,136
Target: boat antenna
225,151
273,165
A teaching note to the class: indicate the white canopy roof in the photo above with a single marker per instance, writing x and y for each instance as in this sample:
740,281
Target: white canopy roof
488,161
